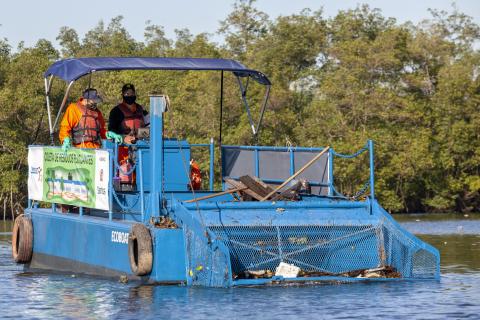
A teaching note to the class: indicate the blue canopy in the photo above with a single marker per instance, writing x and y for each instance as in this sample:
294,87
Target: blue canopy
73,69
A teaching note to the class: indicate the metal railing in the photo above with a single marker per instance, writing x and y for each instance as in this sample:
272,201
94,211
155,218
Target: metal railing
369,146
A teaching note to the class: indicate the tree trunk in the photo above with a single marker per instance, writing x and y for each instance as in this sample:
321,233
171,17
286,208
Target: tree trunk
11,203
5,205
4,209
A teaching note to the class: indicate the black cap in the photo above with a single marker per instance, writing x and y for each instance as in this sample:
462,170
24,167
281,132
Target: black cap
127,86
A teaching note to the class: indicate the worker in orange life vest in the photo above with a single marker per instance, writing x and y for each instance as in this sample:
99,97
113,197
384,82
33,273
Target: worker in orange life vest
124,121
82,124
127,117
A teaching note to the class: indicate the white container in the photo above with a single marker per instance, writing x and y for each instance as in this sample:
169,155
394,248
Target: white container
287,270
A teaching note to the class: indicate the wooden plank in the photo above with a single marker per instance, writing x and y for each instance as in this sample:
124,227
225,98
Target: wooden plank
296,174
255,185
238,184
229,191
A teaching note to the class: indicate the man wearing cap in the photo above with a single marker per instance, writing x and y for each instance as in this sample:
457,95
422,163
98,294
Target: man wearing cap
127,117
124,121
82,124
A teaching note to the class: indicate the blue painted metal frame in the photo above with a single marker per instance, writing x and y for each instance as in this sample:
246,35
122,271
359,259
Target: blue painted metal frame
157,107
331,159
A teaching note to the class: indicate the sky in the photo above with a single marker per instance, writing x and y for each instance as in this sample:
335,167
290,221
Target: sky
29,21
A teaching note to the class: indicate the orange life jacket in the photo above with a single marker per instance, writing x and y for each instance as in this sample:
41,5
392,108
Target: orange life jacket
195,175
131,120
88,127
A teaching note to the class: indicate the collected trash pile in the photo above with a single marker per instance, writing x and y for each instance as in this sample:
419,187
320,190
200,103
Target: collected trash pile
252,188
248,188
291,271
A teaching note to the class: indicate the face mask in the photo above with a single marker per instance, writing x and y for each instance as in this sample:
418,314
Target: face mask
129,99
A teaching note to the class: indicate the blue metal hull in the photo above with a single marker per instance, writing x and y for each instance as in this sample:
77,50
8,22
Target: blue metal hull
217,242
97,246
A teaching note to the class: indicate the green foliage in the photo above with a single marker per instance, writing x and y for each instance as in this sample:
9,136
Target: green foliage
413,89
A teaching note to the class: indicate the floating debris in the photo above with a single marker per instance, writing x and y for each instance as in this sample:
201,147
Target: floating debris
123,279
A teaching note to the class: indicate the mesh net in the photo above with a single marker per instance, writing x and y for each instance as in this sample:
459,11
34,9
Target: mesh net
326,249
207,264
333,247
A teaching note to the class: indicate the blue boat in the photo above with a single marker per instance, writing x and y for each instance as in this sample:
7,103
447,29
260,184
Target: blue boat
278,218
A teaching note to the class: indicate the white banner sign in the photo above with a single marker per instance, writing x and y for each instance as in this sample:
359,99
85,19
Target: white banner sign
79,177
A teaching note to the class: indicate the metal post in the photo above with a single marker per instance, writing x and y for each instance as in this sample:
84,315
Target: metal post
262,111
64,101
212,168
221,111
157,107
47,97
243,92
372,173
220,135
140,178
110,189
257,163
330,173
292,162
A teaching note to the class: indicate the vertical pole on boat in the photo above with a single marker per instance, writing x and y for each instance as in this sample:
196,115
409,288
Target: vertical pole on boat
212,168
157,107
49,114
257,163
292,161
330,172
140,178
220,134
372,174
112,158
221,110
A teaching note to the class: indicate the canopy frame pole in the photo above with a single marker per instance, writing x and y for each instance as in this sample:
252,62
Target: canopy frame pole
243,91
48,85
64,101
221,110
264,105
220,134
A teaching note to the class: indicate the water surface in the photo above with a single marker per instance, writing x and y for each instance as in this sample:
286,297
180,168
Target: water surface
455,296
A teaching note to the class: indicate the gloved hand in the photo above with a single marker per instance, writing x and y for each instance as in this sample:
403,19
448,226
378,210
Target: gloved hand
114,136
67,144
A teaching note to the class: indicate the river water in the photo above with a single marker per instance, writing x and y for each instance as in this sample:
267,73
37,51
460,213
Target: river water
455,296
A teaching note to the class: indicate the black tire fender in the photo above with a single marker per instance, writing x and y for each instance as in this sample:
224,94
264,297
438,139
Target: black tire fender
22,239
140,250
